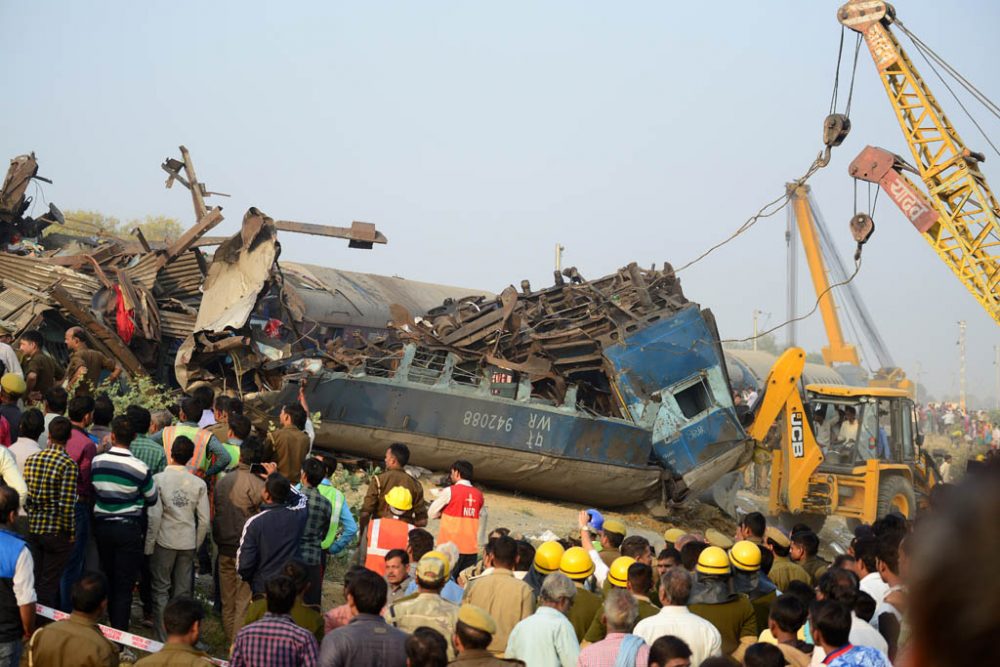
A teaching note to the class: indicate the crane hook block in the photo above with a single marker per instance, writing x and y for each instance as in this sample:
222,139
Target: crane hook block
836,127
862,228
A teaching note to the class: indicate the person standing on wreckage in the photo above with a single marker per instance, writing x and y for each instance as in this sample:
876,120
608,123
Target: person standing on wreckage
375,506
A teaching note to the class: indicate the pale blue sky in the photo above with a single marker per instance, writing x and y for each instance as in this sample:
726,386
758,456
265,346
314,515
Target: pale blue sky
477,135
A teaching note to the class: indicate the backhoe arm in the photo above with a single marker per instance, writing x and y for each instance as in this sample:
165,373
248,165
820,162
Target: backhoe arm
799,456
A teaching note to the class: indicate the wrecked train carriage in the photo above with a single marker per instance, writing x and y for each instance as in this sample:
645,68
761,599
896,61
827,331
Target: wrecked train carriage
606,392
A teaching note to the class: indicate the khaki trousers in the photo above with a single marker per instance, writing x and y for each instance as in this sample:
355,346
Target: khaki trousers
235,595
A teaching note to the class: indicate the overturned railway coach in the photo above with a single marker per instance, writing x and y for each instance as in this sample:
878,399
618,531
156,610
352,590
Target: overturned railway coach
634,411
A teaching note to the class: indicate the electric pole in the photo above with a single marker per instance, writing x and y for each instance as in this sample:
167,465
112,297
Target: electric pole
961,365
756,314
559,253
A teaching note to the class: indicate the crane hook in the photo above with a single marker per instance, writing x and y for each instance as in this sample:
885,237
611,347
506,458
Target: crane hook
862,228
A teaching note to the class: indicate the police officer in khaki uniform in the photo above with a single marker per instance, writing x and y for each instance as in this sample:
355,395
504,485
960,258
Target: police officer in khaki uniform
474,631
374,505
427,607
783,571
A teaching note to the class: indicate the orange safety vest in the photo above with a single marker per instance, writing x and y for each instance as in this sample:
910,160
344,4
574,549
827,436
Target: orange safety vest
200,438
384,535
460,519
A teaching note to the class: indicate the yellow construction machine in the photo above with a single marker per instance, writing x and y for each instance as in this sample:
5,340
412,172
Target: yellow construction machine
851,451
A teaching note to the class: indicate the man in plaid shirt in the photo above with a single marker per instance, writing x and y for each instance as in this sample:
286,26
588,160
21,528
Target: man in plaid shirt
275,640
50,476
318,513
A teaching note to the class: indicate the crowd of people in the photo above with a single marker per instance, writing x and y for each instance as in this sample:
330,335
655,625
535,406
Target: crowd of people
96,505
973,427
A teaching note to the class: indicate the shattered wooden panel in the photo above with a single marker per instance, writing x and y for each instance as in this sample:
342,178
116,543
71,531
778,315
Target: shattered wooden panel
237,277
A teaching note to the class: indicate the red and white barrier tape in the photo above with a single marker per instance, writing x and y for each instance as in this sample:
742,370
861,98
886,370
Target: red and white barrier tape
117,636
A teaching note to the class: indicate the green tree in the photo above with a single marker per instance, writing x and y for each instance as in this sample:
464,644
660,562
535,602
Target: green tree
157,228
86,223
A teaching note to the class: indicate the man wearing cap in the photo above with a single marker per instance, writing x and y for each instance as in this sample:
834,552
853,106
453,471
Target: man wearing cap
8,358
671,535
12,387
715,538
428,608
745,558
612,535
578,565
547,637
503,596
713,599
388,533
637,579
601,566
85,365
783,571
474,630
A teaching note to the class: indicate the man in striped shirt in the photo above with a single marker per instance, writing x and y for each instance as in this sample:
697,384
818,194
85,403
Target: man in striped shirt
123,486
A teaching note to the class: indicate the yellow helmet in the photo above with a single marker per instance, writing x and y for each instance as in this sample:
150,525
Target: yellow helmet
576,564
618,574
548,556
399,498
745,555
713,560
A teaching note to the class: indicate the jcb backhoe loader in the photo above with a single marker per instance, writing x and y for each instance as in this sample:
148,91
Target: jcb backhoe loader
851,451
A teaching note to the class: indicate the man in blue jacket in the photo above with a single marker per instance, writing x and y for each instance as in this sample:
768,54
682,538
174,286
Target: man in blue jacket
271,537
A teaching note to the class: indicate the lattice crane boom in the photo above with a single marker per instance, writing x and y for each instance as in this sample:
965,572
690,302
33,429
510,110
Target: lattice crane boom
965,233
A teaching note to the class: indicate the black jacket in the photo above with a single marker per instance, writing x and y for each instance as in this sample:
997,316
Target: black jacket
270,539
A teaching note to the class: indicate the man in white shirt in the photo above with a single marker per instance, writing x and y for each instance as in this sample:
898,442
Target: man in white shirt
675,619
31,427
547,637
842,585
17,568
888,568
7,355
177,527
849,427
866,567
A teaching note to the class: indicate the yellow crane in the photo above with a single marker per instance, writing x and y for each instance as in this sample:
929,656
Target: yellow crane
838,350
825,264
958,215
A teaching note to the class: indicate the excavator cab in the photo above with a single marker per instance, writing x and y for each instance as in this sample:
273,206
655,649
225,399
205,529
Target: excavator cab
854,425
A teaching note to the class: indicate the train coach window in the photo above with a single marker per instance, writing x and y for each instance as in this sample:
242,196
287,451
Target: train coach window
693,400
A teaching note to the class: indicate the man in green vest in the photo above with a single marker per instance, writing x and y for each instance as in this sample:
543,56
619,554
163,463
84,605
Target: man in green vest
210,457
238,429
341,517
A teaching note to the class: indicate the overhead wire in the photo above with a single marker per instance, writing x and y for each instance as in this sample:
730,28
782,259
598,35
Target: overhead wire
924,50
857,268
980,96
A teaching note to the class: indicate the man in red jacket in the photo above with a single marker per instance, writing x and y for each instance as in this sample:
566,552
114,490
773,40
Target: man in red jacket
462,510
